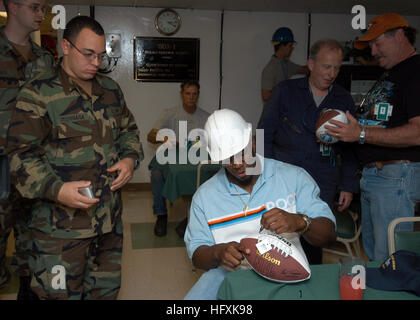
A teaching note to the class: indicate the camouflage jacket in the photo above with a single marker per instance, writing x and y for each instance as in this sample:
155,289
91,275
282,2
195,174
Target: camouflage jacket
14,72
59,134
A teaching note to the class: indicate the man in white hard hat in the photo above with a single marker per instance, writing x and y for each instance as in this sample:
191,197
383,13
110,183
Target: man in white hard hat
251,191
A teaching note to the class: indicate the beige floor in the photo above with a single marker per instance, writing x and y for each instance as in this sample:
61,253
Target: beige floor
163,273
154,273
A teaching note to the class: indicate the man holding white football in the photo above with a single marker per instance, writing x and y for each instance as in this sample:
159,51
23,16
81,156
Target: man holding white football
289,123
387,128
249,195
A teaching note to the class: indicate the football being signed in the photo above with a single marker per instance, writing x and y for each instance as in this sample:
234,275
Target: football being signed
276,257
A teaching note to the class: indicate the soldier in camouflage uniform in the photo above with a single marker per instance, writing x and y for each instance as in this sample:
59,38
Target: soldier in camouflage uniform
70,129
20,60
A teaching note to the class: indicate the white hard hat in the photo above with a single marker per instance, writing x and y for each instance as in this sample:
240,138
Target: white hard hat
227,133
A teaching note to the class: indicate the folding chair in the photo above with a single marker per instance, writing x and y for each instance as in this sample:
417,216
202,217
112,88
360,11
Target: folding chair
403,240
348,232
200,165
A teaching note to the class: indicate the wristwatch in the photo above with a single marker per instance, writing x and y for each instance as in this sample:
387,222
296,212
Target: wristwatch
362,137
308,224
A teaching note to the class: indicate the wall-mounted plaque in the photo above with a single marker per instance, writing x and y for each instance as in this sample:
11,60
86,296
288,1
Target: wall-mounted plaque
166,59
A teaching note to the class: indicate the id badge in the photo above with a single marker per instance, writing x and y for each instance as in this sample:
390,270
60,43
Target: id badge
325,149
383,111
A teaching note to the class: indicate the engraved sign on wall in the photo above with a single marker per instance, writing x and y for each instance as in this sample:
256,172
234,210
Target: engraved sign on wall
166,59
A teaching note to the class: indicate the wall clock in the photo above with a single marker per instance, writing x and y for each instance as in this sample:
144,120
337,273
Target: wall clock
168,22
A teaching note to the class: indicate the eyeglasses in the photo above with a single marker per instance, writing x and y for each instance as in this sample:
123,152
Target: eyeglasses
91,56
34,7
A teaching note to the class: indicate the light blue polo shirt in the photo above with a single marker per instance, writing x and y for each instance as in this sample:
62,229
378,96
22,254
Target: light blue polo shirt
217,216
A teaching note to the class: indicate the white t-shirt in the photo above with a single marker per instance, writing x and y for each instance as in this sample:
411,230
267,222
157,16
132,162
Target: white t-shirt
171,117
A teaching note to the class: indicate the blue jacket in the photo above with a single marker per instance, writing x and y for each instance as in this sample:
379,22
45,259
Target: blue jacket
288,121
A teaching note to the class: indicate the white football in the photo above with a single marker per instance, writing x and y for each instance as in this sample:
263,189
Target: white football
278,258
323,120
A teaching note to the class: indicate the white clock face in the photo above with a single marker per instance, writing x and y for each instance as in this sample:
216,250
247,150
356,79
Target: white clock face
167,22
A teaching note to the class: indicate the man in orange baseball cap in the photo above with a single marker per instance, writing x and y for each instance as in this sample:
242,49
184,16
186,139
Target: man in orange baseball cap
380,25
381,31
387,127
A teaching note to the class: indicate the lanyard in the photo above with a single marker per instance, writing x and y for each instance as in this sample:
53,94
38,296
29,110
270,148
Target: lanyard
284,69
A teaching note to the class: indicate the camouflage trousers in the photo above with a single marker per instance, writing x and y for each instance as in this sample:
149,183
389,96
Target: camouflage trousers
77,269
15,214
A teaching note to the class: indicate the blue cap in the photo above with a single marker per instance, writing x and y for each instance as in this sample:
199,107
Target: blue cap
400,272
283,35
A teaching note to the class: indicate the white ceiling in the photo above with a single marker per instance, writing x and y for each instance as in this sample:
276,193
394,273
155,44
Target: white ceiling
407,7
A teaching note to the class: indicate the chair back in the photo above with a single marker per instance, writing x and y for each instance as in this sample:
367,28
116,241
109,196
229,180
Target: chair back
403,240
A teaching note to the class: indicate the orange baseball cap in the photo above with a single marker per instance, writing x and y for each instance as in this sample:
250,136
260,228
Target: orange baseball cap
378,26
